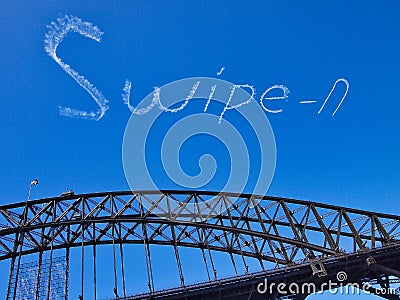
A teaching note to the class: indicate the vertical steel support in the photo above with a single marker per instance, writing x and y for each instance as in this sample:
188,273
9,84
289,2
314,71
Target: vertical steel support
94,264
82,248
67,271
38,275
51,250
113,246
178,260
10,280
121,251
146,249
21,242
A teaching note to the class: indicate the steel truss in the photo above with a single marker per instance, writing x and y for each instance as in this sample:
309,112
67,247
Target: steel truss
278,232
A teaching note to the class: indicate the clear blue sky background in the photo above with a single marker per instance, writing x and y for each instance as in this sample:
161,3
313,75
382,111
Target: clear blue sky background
351,159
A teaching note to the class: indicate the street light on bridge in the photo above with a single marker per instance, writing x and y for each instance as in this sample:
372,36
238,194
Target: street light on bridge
33,182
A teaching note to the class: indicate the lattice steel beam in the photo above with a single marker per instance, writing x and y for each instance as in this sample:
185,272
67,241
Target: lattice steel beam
267,230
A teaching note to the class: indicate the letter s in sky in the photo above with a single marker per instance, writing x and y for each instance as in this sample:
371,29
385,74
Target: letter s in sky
57,31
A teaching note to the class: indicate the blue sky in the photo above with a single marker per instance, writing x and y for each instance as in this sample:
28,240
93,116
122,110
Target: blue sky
350,159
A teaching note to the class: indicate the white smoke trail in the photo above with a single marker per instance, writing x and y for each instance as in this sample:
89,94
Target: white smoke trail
70,112
283,97
330,93
233,89
220,71
57,31
307,101
155,101
127,94
189,97
210,97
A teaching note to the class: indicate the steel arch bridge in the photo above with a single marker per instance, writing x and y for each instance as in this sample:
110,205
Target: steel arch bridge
292,241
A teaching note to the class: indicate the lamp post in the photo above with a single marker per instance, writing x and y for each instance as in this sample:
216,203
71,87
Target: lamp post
33,182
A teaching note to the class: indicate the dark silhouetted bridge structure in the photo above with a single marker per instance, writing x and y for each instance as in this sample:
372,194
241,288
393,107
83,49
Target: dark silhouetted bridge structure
265,239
